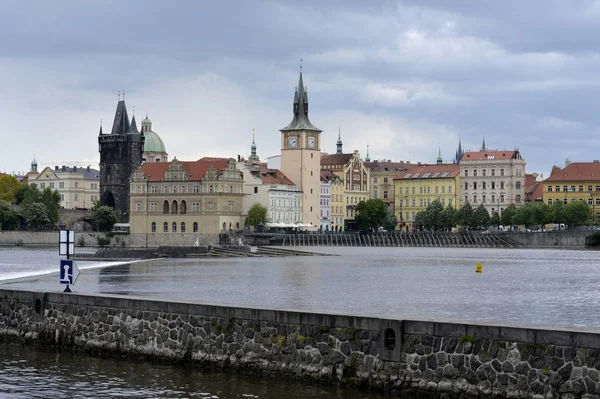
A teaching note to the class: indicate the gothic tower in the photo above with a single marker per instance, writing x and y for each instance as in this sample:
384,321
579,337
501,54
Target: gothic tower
301,155
339,141
459,153
253,157
120,154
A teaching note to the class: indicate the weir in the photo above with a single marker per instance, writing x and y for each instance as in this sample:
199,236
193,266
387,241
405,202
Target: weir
403,356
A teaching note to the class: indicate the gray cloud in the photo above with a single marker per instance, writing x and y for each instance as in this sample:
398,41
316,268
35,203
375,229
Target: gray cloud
403,76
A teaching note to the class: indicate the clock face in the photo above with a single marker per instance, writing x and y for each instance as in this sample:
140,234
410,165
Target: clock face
311,142
293,142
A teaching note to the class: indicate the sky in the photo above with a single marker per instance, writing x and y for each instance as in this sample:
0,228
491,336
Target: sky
406,78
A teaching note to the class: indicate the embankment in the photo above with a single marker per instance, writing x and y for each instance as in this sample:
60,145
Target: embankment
448,359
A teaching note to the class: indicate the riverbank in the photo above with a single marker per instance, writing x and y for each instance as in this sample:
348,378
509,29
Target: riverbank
400,356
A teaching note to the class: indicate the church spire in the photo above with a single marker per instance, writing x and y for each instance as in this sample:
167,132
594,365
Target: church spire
459,152
301,121
439,158
339,141
368,158
121,123
100,134
483,144
253,157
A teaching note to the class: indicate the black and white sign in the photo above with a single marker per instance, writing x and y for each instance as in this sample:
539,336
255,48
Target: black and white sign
68,272
66,242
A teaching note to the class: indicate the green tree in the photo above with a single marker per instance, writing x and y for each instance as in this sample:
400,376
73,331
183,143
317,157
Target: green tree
447,218
257,214
371,214
28,193
9,218
36,215
51,198
433,216
104,218
420,220
9,186
481,217
390,222
577,213
464,216
495,219
508,214
557,212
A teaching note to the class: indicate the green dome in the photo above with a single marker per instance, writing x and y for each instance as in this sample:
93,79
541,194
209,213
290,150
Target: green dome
153,142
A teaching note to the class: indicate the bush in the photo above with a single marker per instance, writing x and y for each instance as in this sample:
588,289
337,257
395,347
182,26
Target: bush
104,218
81,241
103,242
593,240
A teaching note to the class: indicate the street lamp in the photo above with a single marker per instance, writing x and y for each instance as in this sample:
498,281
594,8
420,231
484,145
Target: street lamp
401,201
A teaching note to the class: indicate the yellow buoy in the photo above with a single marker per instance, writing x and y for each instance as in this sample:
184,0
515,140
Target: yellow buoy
478,268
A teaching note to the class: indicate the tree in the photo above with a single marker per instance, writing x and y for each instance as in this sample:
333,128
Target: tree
36,215
481,217
28,194
557,212
9,218
577,213
447,218
433,216
464,216
371,214
508,214
390,222
495,219
104,218
9,186
51,198
420,220
257,214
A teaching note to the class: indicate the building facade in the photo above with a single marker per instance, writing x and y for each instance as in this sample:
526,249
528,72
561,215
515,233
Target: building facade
577,181
273,190
417,189
337,202
120,154
382,174
355,179
186,199
325,204
494,179
300,152
79,188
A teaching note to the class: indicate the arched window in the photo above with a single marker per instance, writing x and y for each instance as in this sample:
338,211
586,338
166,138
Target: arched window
183,209
183,227
154,227
174,207
195,227
166,227
224,226
174,227
237,225
518,186
230,226
166,207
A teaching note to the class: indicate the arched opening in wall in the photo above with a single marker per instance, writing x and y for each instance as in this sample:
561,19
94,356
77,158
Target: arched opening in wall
108,199
195,227
166,227
154,227
224,226
230,226
237,226
183,207
389,339
166,206
174,207
174,230
183,227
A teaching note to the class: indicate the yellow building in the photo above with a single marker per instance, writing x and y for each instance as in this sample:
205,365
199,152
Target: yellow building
578,181
78,187
416,189
382,180
355,179
338,208
177,203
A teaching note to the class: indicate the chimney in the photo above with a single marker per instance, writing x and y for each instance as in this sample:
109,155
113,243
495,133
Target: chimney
56,167
74,168
88,168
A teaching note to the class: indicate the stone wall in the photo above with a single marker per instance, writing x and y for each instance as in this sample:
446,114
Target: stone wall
154,240
552,239
50,238
406,357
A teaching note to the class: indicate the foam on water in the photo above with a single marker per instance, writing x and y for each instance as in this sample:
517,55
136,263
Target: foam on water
35,273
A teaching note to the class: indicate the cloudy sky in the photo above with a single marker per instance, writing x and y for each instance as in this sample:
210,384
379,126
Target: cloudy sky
404,77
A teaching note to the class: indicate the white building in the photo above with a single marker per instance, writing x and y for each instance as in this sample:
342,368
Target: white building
78,187
272,189
325,204
495,179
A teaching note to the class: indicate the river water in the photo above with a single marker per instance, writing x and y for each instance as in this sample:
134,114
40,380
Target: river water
517,286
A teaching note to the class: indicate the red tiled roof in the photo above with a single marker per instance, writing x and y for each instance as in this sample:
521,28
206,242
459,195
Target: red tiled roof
576,171
155,171
486,155
534,191
335,159
274,176
452,169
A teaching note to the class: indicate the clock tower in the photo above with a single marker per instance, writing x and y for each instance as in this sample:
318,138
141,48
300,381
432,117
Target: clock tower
301,156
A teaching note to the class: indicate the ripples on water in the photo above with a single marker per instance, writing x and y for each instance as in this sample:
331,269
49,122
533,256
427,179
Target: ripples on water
42,372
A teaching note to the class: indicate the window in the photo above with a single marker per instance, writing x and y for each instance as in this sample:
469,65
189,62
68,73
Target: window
385,179
42,185
420,190
166,227
483,187
549,189
589,188
154,227
62,185
565,188
76,184
565,201
501,172
549,201
255,190
76,197
449,189
166,207
484,172
428,190
475,172
153,189
153,207
580,188
436,189
183,227
466,199
196,189
183,206
52,185
421,202
501,185
475,198
413,190
62,197
195,227
174,227
597,201
518,198
557,188
518,185
493,185
138,206
385,194
466,172
501,197
474,185
483,198
590,202
493,198
573,188
374,180
493,172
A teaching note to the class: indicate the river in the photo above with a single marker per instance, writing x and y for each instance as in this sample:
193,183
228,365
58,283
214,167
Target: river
518,286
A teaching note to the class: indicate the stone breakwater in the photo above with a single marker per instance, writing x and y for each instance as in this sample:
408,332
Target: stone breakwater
402,356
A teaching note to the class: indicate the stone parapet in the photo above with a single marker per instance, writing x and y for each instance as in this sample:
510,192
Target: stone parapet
402,356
